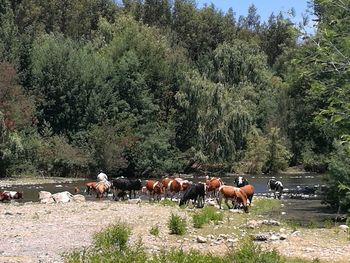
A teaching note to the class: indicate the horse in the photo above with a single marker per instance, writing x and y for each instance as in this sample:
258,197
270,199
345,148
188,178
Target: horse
276,187
241,181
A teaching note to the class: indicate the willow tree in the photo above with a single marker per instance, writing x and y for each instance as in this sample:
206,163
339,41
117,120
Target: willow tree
212,121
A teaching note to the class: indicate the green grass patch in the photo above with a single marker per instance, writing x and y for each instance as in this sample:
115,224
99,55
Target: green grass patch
177,225
168,202
265,206
154,231
207,214
114,237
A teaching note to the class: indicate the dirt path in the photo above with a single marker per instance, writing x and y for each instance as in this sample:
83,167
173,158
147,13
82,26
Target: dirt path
34,232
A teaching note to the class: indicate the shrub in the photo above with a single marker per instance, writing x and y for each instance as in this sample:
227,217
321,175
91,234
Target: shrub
177,225
114,237
250,253
205,215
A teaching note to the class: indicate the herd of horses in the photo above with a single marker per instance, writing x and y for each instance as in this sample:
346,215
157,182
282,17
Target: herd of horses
240,194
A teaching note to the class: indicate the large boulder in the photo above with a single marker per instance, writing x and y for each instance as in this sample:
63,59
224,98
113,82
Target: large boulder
46,197
62,197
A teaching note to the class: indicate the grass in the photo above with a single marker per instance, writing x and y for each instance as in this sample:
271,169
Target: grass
154,230
168,202
265,206
206,215
107,252
114,237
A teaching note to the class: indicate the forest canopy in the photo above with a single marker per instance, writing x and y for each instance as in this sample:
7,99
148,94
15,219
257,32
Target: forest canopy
145,87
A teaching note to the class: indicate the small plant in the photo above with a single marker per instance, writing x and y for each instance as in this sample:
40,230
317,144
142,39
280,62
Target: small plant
154,231
328,223
114,237
167,202
177,225
312,224
205,215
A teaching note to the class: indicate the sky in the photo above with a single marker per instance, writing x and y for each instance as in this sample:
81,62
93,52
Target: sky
265,7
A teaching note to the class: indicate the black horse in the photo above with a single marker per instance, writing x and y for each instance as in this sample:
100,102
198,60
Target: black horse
240,181
276,187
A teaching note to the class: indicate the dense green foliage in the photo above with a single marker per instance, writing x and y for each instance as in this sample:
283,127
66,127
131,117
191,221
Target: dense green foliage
147,87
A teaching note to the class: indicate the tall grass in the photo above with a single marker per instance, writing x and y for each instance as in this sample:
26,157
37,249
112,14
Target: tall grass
207,214
177,225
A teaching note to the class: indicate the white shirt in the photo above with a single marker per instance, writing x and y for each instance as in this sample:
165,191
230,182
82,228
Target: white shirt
102,177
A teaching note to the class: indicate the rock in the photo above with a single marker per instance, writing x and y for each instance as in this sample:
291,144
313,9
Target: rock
345,228
236,211
201,239
62,197
283,213
260,237
283,237
231,240
252,224
271,222
223,236
79,198
134,201
44,195
274,237
47,200
210,237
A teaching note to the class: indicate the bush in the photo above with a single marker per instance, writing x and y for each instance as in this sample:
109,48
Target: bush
250,253
114,237
205,215
177,225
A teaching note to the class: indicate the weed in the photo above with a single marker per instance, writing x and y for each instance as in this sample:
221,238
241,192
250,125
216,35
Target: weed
328,223
205,215
177,225
154,231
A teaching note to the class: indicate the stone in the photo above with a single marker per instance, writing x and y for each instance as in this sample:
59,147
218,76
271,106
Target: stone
79,198
201,239
252,224
271,222
210,237
274,238
260,237
44,195
47,200
283,237
345,228
62,197
134,201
